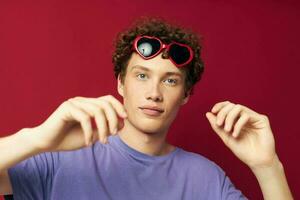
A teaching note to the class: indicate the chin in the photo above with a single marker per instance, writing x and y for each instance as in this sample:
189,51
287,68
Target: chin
150,131
149,126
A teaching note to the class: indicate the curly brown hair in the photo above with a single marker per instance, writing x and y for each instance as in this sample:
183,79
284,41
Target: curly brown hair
167,32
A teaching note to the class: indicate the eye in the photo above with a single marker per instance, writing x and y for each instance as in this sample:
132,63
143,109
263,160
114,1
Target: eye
172,81
141,76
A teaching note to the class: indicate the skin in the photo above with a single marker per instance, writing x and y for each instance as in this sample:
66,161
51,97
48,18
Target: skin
245,132
147,84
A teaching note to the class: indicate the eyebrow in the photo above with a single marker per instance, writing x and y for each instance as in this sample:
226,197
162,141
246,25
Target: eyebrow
147,69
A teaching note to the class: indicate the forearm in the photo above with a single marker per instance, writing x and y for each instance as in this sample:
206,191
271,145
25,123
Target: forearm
16,148
272,181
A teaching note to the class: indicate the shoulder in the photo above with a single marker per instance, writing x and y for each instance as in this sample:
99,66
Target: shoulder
197,162
195,158
208,176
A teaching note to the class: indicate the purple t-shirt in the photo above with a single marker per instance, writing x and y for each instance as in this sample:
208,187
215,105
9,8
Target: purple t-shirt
115,171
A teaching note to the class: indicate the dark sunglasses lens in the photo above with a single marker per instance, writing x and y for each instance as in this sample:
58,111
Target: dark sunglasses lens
148,47
179,53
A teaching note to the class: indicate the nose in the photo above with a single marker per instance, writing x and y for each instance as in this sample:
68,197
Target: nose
154,93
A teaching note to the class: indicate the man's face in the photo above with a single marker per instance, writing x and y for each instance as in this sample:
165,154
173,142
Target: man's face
154,82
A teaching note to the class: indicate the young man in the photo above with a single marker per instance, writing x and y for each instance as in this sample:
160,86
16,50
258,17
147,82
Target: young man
157,65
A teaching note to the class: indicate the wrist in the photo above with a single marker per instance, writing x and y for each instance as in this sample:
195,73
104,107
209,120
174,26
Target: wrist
28,135
268,168
272,180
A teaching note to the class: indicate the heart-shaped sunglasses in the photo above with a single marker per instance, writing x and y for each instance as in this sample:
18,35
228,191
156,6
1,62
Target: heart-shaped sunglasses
149,46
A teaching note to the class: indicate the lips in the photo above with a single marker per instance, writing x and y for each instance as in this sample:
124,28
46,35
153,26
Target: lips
153,108
153,111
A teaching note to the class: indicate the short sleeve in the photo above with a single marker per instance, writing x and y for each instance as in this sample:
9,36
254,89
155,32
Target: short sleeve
228,189
230,192
32,178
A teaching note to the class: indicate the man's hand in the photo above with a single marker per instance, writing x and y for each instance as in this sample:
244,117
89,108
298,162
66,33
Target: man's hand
245,132
69,127
249,136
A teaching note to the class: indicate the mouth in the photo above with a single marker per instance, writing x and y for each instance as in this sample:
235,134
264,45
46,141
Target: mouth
151,111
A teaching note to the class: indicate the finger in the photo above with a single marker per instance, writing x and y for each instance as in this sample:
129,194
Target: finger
255,117
102,125
121,111
109,111
223,113
88,107
212,120
84,119
217,107
111,116
239,125
232,117
115,103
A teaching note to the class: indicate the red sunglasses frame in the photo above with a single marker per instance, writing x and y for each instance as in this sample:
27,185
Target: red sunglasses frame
162,46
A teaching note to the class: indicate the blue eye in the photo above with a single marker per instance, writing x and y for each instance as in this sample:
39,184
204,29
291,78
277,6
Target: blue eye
173,81
140,76
169,81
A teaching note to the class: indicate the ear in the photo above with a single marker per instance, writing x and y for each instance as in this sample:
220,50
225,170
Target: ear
186,98
120,86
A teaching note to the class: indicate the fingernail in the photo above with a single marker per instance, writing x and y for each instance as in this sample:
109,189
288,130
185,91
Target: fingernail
124,114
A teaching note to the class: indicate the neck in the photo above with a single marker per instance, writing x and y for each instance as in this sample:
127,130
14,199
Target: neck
153,144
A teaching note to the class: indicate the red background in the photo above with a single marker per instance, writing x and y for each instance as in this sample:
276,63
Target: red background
51,51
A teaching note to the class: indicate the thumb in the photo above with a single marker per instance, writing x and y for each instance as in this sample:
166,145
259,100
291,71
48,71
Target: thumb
213,122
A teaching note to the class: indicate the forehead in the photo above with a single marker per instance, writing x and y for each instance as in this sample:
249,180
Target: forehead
155,65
